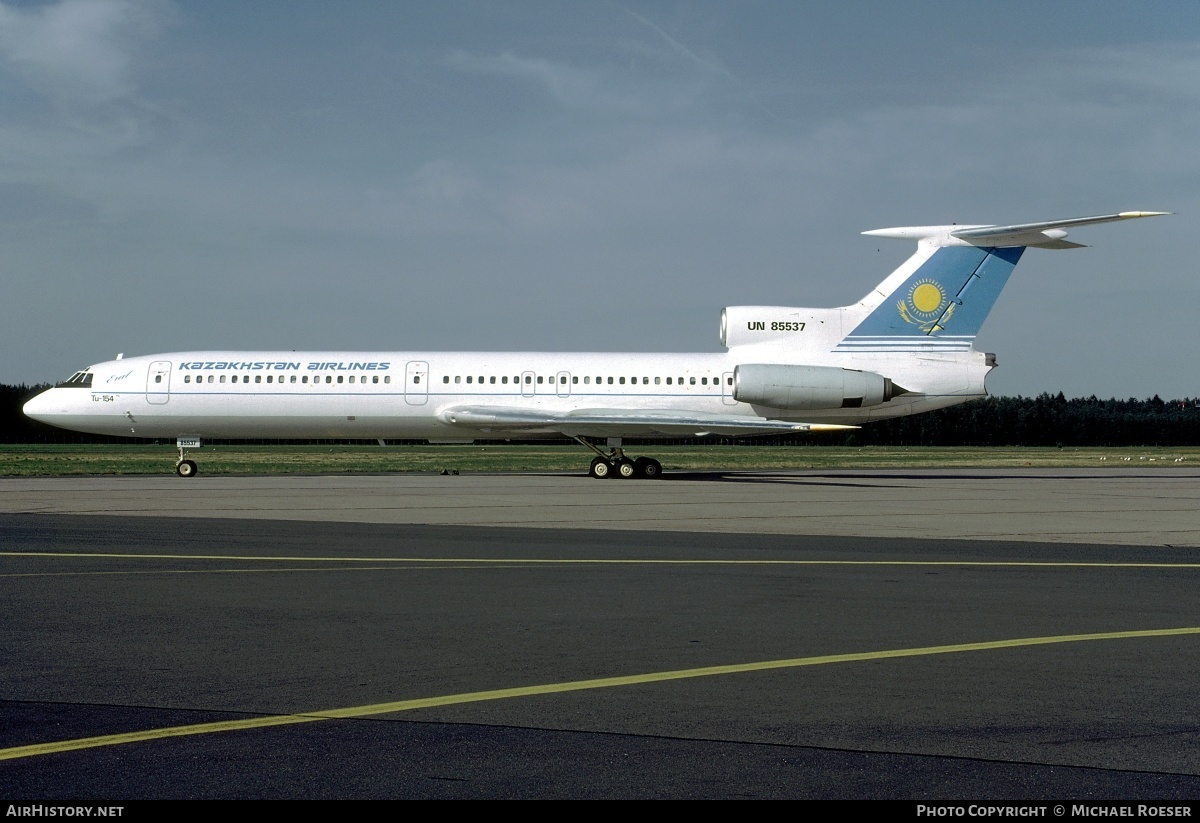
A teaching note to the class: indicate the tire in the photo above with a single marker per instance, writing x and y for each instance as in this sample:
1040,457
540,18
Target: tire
186,468
649,468
600,469
625,469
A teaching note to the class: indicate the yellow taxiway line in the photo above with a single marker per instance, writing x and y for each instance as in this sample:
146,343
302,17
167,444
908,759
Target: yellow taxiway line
59,746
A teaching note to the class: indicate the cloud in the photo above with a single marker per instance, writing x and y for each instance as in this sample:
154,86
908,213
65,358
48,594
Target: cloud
607,91
78,51
569,86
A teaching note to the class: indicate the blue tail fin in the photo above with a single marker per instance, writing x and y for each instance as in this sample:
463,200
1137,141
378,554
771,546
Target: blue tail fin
941,305
938,300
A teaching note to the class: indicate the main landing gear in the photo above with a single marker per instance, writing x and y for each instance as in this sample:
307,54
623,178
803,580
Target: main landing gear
616,464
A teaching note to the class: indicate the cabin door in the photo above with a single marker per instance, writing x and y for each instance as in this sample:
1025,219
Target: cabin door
727,389
158,382
416,383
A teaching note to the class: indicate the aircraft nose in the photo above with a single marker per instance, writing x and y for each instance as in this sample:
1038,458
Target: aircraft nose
40,406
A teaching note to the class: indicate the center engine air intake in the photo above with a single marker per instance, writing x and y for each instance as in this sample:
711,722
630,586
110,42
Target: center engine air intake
811,387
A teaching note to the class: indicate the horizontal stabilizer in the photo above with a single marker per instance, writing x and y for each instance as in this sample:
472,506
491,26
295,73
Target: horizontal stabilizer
1044,235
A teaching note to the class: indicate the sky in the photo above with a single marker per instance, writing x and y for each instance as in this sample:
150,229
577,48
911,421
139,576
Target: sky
604,176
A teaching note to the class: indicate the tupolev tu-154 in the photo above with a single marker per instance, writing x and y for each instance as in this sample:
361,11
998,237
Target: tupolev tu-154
904,348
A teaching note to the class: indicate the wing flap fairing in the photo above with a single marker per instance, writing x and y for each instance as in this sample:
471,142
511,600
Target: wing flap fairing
616,422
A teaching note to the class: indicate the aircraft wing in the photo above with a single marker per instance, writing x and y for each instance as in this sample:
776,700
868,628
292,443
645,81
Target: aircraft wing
621,422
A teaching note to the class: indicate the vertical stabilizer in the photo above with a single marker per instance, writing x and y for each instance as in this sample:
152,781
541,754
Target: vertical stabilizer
940,306
938,300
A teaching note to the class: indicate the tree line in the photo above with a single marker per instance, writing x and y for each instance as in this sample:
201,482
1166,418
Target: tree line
1045,420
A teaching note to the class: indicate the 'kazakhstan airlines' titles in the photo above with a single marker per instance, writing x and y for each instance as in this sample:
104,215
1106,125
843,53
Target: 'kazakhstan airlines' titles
280,365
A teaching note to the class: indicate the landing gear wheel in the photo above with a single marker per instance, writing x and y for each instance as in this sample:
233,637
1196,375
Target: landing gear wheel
648,468
186,468
600,469
626,469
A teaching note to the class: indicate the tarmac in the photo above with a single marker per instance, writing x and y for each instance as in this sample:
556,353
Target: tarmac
911,635
1102,506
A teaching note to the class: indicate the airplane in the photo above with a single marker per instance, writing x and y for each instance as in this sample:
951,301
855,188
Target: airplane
905,348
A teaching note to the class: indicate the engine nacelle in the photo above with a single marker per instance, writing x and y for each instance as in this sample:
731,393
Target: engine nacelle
810,387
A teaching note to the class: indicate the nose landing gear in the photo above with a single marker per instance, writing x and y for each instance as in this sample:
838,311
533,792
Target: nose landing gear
183,466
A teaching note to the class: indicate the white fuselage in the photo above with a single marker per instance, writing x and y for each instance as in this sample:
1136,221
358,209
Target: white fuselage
396,395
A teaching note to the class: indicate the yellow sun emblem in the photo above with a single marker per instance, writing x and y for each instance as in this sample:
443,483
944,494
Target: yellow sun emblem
926,297
925,305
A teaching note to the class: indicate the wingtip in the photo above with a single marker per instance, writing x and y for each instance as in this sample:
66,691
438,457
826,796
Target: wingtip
1126,215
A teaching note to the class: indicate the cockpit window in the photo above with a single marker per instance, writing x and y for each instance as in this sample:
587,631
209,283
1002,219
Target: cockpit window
79,380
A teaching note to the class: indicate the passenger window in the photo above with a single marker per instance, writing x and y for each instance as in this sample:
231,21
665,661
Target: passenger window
158,378
621,381
329,378
528,379
416,378
269,379
258,378
645,381
657,381
387,378
304,379
574,381
340,379
222,378
504,379
587,380
292,379
470,378
692,381
704,381
551,379
540,379
610,381
492,379
446,378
